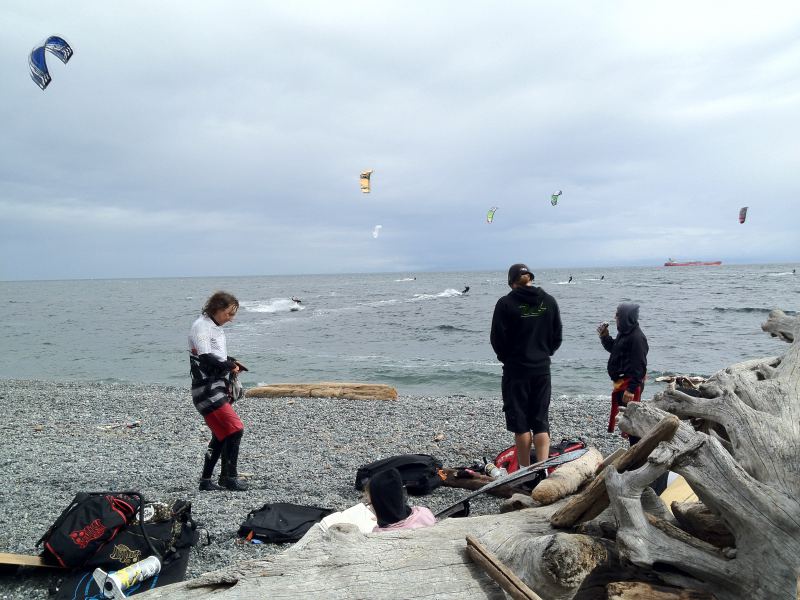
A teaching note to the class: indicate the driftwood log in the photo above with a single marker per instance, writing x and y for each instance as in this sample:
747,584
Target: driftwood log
325,389
745,471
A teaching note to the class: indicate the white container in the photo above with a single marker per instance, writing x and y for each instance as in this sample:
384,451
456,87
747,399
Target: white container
493,470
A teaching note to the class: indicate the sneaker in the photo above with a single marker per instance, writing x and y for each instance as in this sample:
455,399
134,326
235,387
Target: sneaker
206,485
233,483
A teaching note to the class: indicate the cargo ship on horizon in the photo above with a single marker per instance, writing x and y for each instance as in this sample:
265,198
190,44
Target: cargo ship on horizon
692,263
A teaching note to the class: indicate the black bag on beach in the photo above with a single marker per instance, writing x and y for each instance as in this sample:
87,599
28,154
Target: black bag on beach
281,522
420,472
90,521
172,533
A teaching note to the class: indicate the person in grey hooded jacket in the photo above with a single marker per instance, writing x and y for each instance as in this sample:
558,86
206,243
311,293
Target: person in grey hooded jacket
526,332
627,363
627,367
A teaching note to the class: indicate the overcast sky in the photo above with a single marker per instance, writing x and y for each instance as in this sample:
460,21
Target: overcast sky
226,138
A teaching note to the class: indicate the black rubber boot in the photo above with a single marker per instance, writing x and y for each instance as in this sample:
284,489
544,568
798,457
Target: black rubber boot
209,462
229,479
206,485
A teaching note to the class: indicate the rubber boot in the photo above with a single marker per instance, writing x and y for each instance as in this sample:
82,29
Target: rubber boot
230,459
209,462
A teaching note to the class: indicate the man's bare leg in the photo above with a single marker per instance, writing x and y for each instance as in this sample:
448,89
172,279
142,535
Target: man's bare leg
541,441
523,444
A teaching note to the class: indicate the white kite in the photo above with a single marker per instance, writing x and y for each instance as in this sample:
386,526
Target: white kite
376,231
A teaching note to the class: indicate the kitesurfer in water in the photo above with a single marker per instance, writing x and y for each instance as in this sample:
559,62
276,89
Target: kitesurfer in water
602,277
466,289
570,279
297,300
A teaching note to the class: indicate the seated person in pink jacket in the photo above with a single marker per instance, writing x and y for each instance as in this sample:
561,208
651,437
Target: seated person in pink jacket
387,497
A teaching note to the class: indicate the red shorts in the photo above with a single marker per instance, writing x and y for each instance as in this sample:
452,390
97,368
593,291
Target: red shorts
224,421
620,385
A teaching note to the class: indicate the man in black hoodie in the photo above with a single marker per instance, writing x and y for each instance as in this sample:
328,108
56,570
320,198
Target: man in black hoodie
526,332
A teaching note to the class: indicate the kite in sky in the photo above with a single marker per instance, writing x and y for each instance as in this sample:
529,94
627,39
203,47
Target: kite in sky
490,214
742,214
36,61
376,231
365,181
554,198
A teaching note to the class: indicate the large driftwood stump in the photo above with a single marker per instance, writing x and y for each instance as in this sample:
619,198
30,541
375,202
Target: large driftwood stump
746,471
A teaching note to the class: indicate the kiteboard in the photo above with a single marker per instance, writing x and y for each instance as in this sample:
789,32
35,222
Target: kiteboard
517,477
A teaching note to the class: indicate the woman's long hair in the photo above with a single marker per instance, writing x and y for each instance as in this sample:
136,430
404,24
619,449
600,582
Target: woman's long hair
219,301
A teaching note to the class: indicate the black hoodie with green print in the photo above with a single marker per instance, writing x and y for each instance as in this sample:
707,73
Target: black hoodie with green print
526,330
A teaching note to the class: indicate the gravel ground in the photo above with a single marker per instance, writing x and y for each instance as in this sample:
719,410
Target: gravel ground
298,450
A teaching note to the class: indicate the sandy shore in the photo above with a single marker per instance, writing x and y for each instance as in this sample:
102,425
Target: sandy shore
298,450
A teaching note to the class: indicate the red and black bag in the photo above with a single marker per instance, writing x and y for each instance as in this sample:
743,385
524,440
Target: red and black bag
87,524
507,459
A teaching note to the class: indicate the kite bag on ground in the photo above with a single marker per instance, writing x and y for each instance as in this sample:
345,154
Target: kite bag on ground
507,458
90,521
281,522
172,533
420,472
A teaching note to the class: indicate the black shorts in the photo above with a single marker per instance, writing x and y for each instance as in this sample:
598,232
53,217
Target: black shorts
526,403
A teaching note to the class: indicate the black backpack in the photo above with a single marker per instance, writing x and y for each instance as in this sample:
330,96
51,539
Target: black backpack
281,522
90,521
420,472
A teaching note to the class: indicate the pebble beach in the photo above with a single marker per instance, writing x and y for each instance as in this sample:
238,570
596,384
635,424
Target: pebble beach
64,438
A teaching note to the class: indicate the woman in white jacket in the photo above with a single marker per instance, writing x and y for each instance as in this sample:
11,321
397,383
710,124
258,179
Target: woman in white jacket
214,383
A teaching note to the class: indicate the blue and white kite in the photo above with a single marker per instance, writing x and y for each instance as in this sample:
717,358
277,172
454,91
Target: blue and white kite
55,45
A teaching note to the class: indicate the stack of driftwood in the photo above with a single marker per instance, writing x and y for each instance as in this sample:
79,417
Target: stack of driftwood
737,443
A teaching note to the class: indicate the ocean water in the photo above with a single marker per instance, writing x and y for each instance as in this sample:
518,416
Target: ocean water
415,331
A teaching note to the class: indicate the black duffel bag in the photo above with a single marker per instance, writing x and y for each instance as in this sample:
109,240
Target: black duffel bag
281,522
420,472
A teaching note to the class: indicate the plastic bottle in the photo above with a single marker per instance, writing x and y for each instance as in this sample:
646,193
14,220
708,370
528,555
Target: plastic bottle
493,470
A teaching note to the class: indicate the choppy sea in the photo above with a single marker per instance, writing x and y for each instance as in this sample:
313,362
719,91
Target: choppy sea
415,331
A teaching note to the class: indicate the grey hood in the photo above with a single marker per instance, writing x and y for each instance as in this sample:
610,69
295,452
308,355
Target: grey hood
627,317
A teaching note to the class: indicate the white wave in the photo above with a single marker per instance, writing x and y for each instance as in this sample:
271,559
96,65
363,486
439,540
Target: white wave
273,305
565,282
448,293
406,279
780,274
379,302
